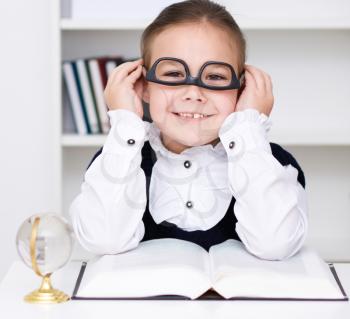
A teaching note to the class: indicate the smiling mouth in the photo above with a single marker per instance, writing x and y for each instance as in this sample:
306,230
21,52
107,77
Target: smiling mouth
194,116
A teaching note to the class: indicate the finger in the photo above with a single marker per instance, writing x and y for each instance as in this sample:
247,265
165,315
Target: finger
139,87
250,80
129,64
144,71
269,92
126,68
259,78
133,76
268,82
122,71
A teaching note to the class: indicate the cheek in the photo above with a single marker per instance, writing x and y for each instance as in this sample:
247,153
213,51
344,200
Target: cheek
159,101
158,108
227,103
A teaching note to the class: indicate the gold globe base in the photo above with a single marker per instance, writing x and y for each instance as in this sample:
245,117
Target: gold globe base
55,296
46,294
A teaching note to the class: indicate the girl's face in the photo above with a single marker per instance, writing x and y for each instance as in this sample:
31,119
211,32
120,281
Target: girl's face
195,43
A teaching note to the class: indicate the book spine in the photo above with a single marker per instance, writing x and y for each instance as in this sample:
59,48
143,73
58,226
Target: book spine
77,110
102,67
93,95
110,66
87,96
76,76
99,94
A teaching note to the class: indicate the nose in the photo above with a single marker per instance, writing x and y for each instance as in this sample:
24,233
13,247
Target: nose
193,93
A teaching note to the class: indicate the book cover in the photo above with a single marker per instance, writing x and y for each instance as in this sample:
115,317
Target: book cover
80,94
87,96
74,99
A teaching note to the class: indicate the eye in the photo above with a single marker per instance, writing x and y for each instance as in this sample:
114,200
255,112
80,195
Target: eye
216,77
174,74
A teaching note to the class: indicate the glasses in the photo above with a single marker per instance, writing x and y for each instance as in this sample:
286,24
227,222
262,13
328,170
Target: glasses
212,75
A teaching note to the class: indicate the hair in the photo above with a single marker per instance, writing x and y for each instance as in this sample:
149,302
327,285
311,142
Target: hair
193,11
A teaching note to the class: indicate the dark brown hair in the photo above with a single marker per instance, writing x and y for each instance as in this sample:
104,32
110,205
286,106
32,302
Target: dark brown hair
193,11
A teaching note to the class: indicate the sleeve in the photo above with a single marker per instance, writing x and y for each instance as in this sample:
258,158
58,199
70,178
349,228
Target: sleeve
271,204
107,213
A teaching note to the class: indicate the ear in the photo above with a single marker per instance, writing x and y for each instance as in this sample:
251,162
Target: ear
145,93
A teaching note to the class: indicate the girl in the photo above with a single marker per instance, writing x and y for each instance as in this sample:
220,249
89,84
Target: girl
203,169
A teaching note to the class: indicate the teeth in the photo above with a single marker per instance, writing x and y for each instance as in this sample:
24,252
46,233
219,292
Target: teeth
193,115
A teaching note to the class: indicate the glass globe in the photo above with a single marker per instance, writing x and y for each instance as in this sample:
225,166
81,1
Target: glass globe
53,242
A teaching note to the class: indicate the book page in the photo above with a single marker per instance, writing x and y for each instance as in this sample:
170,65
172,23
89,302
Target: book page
236,272
156,267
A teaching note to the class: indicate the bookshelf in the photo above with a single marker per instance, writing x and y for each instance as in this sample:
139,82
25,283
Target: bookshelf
246,23
308,59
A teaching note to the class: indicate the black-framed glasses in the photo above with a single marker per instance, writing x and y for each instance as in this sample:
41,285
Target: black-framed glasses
212,75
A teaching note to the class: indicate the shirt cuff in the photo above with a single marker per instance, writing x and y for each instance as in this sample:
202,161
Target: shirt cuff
244,131
127,133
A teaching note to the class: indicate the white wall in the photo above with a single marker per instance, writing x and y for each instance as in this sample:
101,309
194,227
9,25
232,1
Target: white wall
26,133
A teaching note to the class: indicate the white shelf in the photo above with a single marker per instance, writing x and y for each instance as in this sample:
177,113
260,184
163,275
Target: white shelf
95,24
252,23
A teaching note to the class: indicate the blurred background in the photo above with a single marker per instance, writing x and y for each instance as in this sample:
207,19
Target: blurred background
56,56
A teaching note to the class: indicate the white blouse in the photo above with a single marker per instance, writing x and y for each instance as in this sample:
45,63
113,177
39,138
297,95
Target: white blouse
192,189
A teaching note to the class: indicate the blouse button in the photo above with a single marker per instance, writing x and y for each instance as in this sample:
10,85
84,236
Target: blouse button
232,144
131,141
187,164
189,204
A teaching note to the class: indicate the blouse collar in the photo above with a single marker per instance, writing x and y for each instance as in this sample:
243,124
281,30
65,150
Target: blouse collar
202,153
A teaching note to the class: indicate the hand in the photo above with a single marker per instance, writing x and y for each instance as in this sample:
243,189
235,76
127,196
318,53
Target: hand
125,87
257,92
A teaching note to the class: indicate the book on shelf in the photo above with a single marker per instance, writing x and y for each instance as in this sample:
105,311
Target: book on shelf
85,80
87,96
98,88
174,269
74,98
101,61
101,68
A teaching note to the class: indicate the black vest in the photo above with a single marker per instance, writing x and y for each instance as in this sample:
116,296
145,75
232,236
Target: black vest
223,230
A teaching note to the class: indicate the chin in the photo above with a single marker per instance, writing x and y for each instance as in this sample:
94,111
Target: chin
190,143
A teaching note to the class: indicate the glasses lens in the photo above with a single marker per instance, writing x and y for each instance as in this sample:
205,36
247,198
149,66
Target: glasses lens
170,71
217,75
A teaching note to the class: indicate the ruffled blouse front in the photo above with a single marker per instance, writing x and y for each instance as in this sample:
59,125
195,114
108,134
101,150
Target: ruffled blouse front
189,189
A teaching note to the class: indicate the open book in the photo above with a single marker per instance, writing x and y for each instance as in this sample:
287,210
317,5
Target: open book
171,268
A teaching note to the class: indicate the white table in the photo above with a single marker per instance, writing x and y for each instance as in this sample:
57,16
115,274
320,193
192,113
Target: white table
20,280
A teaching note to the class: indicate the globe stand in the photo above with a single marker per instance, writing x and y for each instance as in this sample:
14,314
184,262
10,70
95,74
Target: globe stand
46,294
